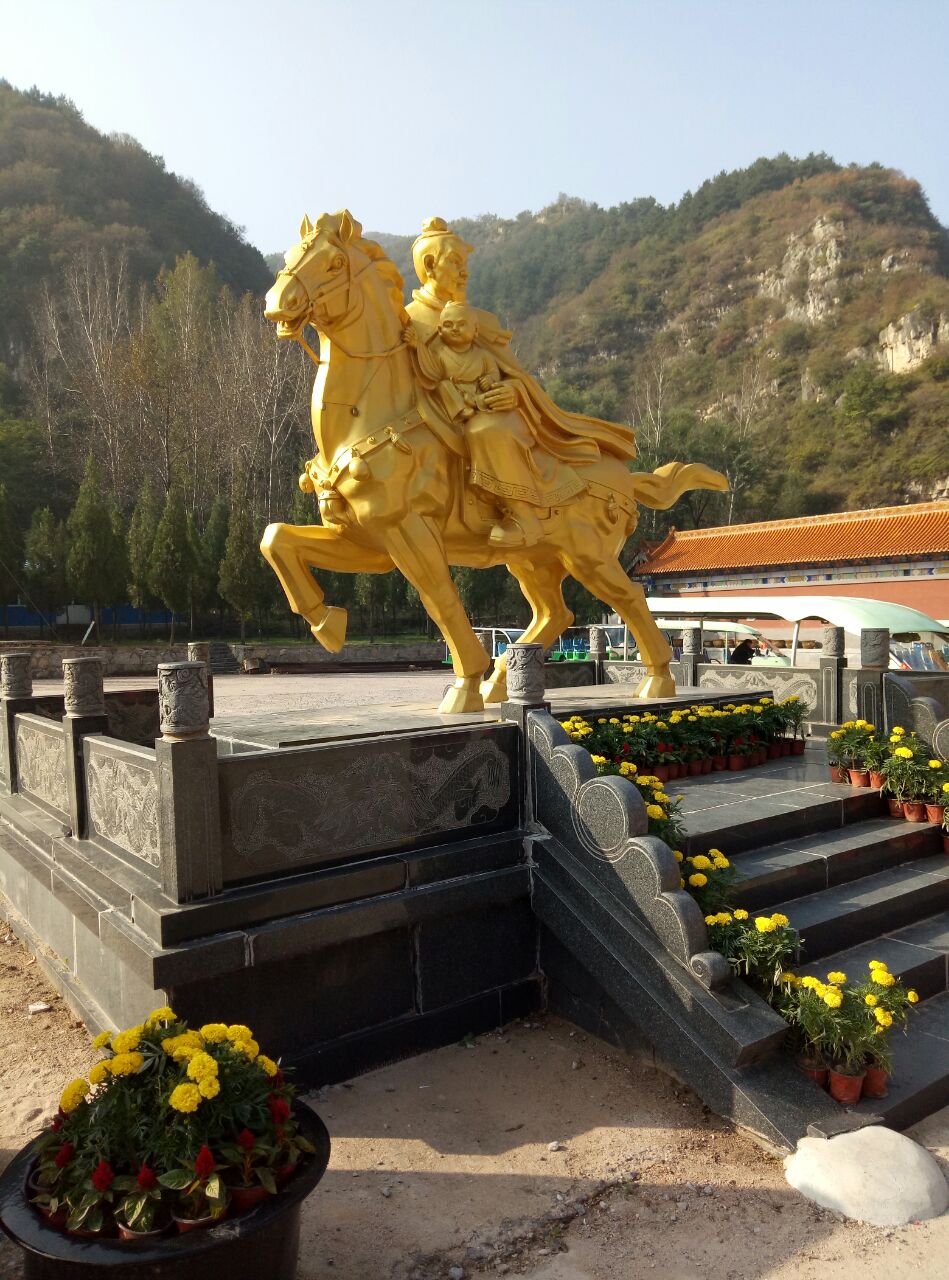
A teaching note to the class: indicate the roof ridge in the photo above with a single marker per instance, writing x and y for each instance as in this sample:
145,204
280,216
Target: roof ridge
830,517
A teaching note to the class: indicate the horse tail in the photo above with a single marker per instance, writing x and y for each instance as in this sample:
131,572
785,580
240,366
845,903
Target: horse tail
661,488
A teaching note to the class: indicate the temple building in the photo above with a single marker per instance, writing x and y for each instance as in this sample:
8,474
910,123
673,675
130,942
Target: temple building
899,554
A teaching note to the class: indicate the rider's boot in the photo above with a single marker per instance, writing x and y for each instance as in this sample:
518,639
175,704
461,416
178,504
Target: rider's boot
519,527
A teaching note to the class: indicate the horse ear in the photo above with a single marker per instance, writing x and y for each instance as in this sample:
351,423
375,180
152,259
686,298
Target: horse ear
306,226
349,228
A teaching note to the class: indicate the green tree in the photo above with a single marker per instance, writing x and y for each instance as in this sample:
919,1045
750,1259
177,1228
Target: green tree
11,556
170,568
213,549
141,540
90,538
240,579
45,563
117,566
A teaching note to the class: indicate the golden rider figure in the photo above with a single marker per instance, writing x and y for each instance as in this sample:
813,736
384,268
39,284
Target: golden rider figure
520,444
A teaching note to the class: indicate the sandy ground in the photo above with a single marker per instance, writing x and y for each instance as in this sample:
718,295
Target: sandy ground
441,1165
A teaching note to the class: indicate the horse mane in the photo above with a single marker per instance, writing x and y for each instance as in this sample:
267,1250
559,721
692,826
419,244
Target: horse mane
344,231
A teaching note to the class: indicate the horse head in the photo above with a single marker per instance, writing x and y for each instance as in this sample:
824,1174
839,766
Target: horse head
319,284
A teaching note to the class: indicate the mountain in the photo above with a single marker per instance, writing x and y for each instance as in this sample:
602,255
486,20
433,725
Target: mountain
66,188
787,323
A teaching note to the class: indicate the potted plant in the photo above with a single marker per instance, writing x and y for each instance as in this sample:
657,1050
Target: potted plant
854,741
835,756
795,713
151,1138
877,750
937,792
886,1004
850,1037
905,776
811,1021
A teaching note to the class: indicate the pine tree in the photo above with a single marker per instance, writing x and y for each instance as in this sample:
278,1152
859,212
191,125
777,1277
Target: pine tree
170,567
214,546
117,569
240,581
11,557
45,561
141,539
89,544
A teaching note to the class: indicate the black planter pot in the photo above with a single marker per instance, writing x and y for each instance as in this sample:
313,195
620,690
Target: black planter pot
262,1243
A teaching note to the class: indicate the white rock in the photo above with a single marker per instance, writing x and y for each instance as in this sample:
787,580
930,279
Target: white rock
874,1175
40,1007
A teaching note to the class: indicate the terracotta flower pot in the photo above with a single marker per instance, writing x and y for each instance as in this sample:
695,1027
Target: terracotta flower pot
126,1233
798,746
707,764
876,779
845,1089
660,771
695,769
837,774
240,1199
675,771
736,762
785,746
914,811
719,763
895,807
859,777
774,751
875,1082
935,814
813,1072
184,1225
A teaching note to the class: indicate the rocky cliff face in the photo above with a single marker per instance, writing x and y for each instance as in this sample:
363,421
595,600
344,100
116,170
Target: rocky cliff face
909,341
806,281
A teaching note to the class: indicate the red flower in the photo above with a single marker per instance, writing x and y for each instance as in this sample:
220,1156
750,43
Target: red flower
57,1123
64,1155
103,1176
246,1140
661,746
625,748
204,1164
279,1109
146,1178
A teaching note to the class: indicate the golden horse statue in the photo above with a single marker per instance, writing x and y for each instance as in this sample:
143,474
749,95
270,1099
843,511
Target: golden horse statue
393,472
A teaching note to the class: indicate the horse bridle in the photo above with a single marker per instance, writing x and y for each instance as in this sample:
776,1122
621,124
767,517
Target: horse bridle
326,292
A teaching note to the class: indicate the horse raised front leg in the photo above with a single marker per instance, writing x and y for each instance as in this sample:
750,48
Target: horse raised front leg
418,552
609,583
292,550
542,588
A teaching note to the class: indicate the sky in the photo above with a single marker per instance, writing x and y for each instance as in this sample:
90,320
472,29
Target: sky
401,110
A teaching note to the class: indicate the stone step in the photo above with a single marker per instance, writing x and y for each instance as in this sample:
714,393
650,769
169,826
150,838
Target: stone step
223,662
918,956
859,911
807,864
920,1083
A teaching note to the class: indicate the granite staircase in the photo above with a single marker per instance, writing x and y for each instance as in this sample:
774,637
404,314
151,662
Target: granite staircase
873,889
223,662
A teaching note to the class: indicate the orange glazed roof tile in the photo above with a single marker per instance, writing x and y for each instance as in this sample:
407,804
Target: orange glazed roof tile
882,533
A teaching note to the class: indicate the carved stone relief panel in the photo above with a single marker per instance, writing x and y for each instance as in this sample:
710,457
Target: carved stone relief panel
123,803
41,762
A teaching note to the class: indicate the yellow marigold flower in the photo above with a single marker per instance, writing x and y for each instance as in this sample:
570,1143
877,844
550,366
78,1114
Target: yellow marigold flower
102,1039
945,786
780,920
126,1041
701,863
883,1017
185,1098
209,1087
836,977
723,917
871,1000
183,1047
935,764
898,731
660,797
905,753
681,883
710,920
837,733
721,864
789,978
654,811
99,1072
213,1032
833,998
239,1032
598,759
912,997
201,1066
677,854
764,924
741,914
601,720
715,853
810,982
882,977
614,720
268,1064
73,1094
250,1048
126,1064
164,1014
877,964
698,881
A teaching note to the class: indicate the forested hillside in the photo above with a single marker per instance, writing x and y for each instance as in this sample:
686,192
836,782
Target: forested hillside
66,189
787,323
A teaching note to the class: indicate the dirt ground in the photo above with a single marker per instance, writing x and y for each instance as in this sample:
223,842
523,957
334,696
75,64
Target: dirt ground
442,1165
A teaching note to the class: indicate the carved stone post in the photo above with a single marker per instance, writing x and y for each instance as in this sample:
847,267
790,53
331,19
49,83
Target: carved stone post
200,651
598,650
875,647
525,693
84,696
832,662
189,830
16,694
691,656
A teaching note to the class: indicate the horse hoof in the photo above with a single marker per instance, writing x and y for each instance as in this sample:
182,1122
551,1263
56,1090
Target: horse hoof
494,690
330,630
656,686
461,697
